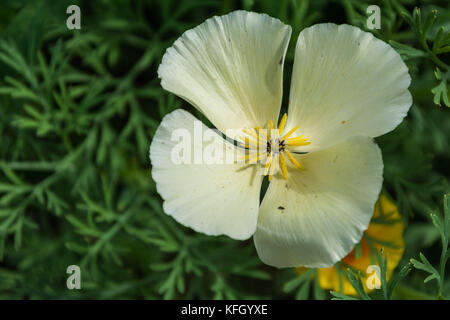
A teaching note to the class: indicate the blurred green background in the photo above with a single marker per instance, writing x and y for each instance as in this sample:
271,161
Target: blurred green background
78,109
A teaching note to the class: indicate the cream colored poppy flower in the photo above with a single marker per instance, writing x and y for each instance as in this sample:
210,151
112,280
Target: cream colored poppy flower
325,169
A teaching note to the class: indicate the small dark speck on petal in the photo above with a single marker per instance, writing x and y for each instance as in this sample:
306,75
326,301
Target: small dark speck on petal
280,208
280,62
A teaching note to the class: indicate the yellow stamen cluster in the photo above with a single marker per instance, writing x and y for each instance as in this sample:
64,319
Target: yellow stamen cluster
272,147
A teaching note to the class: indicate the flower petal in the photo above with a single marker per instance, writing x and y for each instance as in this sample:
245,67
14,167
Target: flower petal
314,218
230,68
345,83
216,198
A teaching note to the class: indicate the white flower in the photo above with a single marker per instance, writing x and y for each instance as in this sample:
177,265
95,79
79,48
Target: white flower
347,87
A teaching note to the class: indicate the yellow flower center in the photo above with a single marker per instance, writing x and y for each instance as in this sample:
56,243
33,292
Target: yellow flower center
270,147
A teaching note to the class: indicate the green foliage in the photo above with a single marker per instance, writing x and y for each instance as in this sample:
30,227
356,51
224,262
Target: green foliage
303,284
440,91
443,226
78,109
441,44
